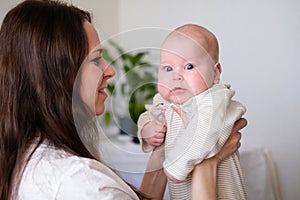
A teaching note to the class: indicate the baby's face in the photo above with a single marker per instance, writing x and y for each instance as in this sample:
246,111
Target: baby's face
185,70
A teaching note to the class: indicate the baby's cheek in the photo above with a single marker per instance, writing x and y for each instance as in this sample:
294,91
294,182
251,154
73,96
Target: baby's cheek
163,91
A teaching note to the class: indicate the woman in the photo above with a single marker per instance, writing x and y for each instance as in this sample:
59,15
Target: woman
46,128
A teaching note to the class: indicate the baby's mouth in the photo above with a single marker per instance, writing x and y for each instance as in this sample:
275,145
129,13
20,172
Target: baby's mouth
177,89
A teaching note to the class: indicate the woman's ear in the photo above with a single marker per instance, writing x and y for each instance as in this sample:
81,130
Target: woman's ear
218,71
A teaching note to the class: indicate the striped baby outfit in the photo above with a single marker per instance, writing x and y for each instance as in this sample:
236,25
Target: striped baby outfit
211,116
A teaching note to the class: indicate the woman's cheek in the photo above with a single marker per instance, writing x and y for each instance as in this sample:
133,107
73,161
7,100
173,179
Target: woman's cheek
89,91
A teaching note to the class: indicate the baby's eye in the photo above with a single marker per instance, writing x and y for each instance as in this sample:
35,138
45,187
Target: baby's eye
189,66
168,68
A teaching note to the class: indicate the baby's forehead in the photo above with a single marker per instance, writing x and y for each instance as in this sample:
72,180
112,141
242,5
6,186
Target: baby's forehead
183,42
193,31
195,37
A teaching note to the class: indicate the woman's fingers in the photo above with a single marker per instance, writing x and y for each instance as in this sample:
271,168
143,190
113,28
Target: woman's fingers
235,136
239,124
231,145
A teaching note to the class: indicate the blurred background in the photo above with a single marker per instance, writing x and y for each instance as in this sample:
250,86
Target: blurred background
259,48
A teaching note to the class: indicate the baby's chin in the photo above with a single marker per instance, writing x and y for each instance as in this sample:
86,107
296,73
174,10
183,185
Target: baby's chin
178,97
178,100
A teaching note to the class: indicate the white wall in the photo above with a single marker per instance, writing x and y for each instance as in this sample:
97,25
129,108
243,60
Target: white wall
5,6
105,15
260,45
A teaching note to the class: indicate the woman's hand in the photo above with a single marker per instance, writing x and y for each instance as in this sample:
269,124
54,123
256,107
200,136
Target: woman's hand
233,142
204,175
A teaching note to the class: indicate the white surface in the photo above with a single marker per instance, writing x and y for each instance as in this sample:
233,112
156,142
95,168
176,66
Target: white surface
121,154
125,158
261,175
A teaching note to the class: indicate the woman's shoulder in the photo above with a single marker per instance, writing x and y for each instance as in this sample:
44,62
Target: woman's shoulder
55,173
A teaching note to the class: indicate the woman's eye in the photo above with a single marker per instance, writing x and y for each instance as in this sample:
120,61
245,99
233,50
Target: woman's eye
96,61
189,67
168,68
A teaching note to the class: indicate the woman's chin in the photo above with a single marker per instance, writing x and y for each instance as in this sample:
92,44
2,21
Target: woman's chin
99,105
99,110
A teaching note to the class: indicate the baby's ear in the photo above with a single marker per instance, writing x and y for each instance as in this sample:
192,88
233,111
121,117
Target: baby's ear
218,71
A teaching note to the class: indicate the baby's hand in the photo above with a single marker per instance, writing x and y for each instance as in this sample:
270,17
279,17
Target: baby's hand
181,114
153,133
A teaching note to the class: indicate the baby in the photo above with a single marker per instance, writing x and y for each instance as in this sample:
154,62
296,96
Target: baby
193,113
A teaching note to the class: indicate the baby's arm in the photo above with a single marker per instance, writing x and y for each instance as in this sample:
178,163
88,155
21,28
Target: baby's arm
144,118
153,133
151,125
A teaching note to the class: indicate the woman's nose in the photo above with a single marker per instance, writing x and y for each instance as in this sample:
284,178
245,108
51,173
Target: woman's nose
109,72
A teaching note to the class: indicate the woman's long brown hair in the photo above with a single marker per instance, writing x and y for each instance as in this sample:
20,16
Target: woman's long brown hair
42,46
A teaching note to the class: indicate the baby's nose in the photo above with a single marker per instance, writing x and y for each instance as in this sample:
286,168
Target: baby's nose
177,76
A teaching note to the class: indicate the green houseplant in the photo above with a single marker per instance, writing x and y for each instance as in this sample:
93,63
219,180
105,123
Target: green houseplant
135,84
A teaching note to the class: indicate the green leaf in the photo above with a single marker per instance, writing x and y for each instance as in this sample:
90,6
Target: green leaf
145,64
107,118
110,88
117,47
126,68
125,63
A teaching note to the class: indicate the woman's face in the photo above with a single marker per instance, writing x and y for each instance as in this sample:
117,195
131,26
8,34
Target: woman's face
95,73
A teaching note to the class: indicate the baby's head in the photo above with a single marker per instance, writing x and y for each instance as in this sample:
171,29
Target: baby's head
189,63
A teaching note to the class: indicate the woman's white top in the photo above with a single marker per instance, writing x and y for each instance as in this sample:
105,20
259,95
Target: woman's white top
55,174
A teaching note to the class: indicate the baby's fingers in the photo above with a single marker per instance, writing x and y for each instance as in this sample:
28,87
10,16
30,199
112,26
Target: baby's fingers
160,136
181,114
159,126
158,141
